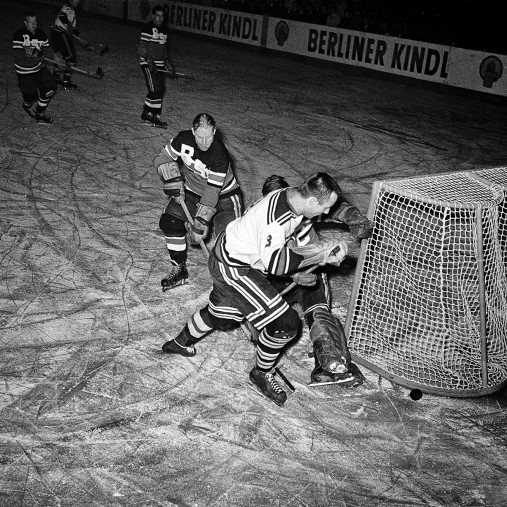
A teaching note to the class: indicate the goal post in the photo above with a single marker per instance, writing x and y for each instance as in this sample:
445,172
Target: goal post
429,303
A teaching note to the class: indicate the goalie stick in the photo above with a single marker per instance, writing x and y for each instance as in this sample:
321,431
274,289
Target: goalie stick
99,73
104,49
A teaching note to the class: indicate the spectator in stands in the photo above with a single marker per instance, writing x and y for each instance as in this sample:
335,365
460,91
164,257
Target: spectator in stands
277,9
322,12
311,13
332,18
342,9
296,12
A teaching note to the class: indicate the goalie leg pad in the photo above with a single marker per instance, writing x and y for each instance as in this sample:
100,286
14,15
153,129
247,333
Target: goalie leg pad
329,342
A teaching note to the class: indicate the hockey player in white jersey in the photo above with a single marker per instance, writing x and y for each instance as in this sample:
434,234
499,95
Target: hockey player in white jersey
254,246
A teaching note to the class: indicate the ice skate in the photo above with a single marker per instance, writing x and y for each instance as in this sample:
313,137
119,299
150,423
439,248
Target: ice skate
69,85
43,118
146,116
350,378
157,122
28,110
267,386
177,276
174,346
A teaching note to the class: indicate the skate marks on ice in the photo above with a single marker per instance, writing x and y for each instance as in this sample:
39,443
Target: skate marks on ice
92,414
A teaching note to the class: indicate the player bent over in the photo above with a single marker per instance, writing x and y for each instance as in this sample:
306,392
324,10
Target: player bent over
330,350
35,81
195,168
254,246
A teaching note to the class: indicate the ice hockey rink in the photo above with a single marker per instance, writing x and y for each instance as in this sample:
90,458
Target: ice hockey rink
92,414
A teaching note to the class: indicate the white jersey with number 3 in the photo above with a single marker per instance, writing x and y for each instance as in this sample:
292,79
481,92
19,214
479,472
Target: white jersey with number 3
259,238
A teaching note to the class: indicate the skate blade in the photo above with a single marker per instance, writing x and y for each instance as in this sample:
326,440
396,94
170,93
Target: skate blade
255,389
165,288
347,382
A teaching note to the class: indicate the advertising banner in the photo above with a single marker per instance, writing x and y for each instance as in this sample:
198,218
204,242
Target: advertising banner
440,64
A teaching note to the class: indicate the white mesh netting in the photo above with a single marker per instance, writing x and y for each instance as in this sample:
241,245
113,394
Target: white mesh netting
429,305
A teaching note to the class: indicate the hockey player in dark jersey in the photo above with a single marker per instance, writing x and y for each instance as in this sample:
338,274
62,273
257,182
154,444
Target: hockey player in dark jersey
62,41
35,81
155,60
332,358
195,167
254,246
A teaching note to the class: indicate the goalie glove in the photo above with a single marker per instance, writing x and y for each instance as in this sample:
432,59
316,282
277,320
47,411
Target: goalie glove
200,228
360,227
174,185
324,251
362,230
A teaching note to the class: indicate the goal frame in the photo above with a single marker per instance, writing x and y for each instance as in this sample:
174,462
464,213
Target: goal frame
496,179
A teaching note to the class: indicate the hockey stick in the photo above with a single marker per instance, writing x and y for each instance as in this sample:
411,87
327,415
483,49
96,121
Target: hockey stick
191,222
285,379
87,45
175,74
99,73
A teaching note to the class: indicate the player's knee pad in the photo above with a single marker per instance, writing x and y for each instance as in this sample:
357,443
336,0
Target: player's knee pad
286,326
171,225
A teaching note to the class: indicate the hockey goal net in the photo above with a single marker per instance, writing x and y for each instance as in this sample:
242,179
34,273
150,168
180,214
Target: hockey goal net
429,304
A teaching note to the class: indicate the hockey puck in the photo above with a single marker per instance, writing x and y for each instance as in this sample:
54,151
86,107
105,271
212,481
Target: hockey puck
416,394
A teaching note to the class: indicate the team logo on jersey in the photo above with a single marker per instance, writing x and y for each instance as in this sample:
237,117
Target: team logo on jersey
158,36
29,42
491,70
196,166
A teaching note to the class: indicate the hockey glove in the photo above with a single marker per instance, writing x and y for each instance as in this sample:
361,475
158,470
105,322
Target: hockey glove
362,230
200,228
324,251
169,67
359,225
61,62
173,180
305,279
